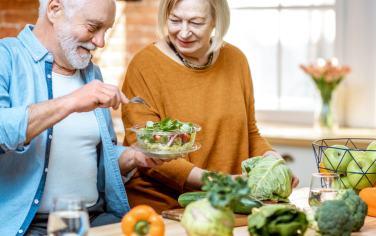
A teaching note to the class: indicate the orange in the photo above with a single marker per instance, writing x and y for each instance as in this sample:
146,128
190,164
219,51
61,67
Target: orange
369,196
323,170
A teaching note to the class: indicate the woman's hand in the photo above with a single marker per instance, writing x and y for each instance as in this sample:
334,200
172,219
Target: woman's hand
243,175
193,181
131,159
295,180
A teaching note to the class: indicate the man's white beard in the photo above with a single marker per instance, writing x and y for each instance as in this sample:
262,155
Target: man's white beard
69,47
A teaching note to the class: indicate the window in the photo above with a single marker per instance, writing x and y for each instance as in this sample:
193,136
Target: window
277,36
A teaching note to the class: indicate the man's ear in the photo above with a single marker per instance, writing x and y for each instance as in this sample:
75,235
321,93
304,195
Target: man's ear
55,10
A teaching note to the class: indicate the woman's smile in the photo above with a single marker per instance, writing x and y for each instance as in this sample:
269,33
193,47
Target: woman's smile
186,43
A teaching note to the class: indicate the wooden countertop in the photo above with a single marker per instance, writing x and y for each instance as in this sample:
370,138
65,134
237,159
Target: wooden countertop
303,135
299,197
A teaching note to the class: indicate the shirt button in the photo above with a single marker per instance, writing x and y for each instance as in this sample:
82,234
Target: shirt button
49,76
36,201
45,170
49,57
50,136
37,58
20,231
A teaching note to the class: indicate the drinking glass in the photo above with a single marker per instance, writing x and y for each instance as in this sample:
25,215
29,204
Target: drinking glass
324,186
68,217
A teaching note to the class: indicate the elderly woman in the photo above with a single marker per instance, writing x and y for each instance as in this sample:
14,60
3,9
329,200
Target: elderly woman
196,78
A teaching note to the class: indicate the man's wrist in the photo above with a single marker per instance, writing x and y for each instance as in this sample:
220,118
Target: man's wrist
67,105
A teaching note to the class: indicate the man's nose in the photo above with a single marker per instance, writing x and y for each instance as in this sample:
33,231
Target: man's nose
99,40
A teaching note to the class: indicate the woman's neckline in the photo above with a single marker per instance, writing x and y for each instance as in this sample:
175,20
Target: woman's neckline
179,64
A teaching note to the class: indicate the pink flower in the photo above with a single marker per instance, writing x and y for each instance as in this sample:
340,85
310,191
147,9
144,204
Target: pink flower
331,71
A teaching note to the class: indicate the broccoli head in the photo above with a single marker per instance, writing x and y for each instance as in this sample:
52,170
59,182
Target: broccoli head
334,218
357,206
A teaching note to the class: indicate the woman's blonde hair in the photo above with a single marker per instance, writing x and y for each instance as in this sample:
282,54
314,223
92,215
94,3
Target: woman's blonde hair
219,10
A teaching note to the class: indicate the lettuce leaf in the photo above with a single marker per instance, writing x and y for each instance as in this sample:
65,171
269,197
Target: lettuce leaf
268,178
166,125
278,220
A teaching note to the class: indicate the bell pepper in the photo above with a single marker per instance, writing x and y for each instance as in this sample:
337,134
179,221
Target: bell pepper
142,220
369,196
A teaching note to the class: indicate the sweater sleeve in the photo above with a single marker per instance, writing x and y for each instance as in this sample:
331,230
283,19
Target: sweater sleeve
257,144
172,174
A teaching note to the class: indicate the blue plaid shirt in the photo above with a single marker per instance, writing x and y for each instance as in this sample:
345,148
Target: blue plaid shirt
25,79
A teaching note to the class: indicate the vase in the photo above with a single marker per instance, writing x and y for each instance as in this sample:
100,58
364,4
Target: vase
325,119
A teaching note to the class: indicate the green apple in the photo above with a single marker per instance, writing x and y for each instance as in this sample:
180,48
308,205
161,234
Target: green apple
333,156
371,154
359,180
357,153
343,182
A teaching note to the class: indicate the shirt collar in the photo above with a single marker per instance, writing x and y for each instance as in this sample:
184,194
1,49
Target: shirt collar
32,44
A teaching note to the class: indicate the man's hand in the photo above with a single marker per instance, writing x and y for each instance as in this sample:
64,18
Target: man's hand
96,94
295,180
131,159
44,115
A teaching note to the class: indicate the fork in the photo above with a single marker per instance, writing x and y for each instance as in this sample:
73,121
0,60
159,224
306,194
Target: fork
138,100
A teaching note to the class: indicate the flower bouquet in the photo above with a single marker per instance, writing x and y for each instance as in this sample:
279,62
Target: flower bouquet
327,75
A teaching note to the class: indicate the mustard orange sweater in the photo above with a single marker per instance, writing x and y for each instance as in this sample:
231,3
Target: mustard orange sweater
219,99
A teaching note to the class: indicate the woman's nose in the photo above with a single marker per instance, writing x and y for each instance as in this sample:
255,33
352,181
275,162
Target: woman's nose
185,31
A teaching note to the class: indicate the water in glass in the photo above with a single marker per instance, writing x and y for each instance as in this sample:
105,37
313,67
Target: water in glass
323,188
68,217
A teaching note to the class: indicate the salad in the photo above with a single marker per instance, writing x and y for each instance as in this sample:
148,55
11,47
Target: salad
168,135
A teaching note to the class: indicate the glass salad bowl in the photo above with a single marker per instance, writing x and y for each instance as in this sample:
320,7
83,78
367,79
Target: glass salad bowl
154,141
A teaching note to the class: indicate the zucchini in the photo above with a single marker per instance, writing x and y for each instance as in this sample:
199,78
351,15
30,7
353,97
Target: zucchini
187,198
243,206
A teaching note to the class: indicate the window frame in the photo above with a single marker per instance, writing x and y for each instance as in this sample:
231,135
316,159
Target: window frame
293,116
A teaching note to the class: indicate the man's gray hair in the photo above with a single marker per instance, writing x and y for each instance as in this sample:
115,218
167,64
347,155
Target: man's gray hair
71,7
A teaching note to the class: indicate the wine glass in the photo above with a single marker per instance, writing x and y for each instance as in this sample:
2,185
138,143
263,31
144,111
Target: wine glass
324,186
68,217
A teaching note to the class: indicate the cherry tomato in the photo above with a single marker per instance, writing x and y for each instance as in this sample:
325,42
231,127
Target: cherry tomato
157,137
186,138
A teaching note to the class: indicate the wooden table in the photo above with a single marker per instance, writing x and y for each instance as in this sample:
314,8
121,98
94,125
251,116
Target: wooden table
299,197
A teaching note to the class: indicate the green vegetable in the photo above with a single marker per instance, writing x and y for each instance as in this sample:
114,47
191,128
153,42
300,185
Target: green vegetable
269,178
334,218
241,206
245,205
167,125
357,206
200,218
277,220
187,198
213,216
312,223
171,142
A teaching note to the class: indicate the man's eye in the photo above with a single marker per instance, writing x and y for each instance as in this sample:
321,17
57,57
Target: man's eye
195,23
175,21
92,28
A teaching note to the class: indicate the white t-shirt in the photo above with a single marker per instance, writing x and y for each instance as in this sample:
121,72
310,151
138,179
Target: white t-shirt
72,167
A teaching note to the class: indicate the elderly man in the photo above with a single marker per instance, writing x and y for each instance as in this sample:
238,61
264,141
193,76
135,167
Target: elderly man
56,137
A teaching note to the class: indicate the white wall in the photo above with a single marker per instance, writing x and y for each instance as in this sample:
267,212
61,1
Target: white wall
356,47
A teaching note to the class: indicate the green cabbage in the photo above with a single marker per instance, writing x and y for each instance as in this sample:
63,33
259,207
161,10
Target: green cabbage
277,220
268,178
200,218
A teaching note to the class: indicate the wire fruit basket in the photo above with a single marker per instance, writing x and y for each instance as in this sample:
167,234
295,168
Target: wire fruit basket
356,166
